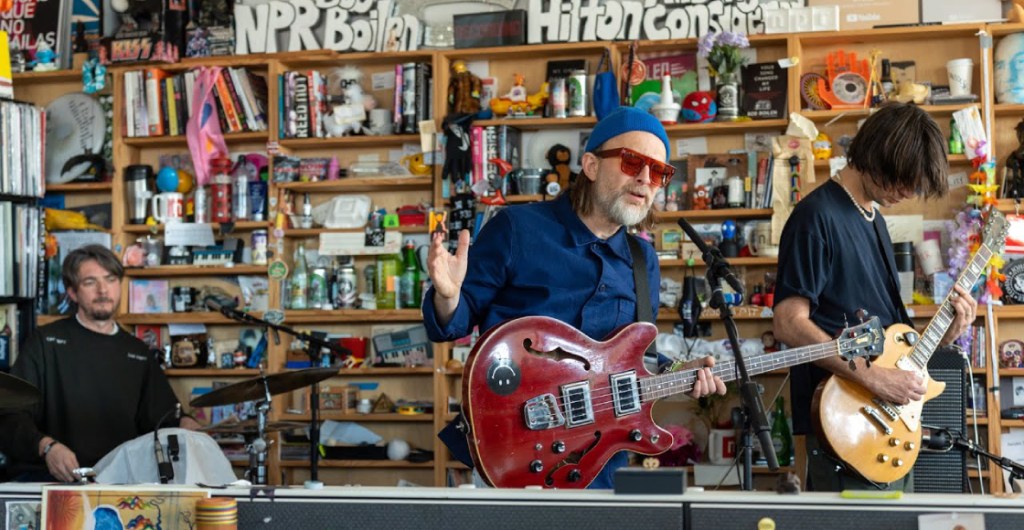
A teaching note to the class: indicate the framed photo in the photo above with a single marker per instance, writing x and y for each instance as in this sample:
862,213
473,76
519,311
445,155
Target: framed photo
172,507
149,296
151,335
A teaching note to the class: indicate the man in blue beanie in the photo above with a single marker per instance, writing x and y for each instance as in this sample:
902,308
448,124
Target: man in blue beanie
569,258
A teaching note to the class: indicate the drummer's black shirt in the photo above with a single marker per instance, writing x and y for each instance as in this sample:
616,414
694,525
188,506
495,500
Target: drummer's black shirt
98,391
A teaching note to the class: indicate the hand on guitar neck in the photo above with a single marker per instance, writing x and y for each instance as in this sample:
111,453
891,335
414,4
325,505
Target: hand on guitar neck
966,311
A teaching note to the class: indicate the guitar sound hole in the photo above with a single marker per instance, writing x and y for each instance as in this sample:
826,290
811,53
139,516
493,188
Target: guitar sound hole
557,354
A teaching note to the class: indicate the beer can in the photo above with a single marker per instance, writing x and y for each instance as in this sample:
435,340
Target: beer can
200,205
259,247
318,289
558,97
348,292
577,93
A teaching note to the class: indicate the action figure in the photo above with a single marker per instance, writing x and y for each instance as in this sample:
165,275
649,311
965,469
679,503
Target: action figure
463,90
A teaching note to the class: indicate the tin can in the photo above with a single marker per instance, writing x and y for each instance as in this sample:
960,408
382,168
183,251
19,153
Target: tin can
558,97
200,205
240,202
577,93
318,289
348,292
259,247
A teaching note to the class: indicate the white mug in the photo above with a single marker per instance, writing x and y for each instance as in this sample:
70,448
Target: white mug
721,446
168,207
761,241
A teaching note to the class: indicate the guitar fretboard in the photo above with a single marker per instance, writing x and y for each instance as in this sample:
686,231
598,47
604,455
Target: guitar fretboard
680,382
945,315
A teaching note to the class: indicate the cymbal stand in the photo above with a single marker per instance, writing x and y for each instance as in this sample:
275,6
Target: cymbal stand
257,448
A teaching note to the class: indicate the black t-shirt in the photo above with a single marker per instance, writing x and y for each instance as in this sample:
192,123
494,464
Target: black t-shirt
98,391
832,256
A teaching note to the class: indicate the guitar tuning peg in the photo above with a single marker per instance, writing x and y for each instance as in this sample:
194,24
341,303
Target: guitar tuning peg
846,322
862,315
853,365
867,362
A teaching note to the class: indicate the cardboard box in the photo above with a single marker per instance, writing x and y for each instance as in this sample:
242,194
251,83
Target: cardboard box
959,12
866,14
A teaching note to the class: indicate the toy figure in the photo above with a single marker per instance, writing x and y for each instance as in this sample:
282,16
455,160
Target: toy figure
517,102
46,59
348,116
769,342
822,147
559,157
701,200
463,90
699,107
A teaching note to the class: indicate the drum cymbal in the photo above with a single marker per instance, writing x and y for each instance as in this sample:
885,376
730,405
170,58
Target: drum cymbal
249,427
252,389
16,393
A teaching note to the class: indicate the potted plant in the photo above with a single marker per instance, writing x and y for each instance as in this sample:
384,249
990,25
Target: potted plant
722,51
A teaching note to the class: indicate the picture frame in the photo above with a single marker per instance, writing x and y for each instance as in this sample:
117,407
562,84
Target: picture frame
149,296
151,335
173,506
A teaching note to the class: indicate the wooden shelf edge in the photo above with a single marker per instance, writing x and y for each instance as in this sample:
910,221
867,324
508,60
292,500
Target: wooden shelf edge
80,187
192,270
211,372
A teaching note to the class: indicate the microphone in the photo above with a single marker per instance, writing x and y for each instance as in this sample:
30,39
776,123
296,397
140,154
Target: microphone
217,303
712,258
164,468
938,440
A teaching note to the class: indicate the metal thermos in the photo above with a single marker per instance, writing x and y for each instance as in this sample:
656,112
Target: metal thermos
137,193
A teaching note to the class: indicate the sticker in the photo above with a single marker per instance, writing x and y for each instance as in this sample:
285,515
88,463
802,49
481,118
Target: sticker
278,270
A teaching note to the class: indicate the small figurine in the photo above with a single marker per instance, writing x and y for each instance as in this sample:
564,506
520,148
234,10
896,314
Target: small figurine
463,90
517,102
769,342
46,59
1010,354
94,76
701,200
559,157
822,147
347,117
699,107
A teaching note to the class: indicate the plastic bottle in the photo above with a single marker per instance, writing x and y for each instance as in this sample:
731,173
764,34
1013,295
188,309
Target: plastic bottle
389,269
409,286
782,438
299,286
956,144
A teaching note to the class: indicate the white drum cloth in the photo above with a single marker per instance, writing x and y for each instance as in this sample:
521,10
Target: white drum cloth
200,461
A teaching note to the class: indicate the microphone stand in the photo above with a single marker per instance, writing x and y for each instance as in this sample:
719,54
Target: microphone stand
314,346
753,415
1016,470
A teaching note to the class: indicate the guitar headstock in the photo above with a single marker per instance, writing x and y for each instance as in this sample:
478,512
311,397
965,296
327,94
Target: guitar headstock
866,340
994,231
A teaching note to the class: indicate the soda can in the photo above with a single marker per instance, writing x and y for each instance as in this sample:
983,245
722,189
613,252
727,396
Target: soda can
200,205
318,289
259,247
577,93
347,281
558,97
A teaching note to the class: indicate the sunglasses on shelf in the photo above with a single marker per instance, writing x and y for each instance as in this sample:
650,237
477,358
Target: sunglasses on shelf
632,163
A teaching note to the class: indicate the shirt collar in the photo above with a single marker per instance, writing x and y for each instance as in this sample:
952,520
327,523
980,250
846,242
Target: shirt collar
580,235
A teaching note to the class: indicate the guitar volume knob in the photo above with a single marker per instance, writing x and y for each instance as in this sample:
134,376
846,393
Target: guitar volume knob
536,466
575,476
635,435
883,458
894,442
558,447
897,462
909,446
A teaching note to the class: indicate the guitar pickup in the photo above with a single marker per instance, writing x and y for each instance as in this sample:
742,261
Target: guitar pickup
888,408
873,414
579,408
542,412
625,394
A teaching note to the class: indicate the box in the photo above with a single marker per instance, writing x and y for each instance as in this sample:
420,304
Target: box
866,14
958,11
498,28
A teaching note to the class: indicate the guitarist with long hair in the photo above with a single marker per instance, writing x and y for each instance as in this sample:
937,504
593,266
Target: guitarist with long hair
568,258
836,257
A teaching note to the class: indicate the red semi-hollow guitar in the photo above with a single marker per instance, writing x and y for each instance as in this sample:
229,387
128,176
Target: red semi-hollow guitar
548,406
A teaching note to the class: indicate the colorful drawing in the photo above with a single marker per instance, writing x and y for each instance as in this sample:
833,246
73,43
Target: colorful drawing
109,507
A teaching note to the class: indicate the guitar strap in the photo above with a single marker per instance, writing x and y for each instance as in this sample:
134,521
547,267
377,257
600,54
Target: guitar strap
643,292
885,245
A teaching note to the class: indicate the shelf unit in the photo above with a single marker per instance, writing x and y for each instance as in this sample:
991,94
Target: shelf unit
930,46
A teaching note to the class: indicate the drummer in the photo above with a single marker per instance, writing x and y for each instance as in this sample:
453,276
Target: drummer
100,385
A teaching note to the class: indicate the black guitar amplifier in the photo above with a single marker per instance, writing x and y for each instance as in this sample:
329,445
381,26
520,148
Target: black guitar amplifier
945,472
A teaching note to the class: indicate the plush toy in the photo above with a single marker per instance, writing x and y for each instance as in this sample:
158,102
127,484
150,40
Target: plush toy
701,199
559,157
350,102
699,107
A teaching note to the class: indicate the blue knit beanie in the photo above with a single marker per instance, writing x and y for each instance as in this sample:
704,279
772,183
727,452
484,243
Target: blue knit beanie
623,120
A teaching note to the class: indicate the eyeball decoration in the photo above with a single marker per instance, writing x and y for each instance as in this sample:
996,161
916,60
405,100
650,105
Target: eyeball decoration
699,107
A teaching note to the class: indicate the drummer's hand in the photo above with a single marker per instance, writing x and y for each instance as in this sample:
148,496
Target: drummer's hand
61,461
189,424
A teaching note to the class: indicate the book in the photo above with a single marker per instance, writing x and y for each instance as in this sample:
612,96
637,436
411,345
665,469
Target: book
764,88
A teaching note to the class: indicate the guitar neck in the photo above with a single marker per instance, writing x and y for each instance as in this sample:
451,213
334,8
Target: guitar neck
681,382
945,315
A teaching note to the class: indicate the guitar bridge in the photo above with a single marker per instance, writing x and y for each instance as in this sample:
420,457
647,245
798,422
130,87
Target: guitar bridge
542,412
873,414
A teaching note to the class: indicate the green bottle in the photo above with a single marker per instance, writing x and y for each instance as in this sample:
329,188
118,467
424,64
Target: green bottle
299,286
409,286
782,438
956,144
389,271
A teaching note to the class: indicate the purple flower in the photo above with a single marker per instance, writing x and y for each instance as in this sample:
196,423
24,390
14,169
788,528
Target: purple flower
705,44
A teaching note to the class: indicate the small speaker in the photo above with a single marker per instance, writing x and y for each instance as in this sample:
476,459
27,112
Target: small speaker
945,472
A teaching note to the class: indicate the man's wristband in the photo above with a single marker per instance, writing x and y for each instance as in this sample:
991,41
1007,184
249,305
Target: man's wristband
49,446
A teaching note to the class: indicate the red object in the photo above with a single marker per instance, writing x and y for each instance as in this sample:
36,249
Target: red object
411,215
538,396
768,299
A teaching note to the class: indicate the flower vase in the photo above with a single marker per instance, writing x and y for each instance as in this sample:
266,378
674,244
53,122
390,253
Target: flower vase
727,95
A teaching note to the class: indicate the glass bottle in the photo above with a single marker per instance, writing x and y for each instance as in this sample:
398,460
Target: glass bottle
782,438
956,144
389,269
299,287
409,286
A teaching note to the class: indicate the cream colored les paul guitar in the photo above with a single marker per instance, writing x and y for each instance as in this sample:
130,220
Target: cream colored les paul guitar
877,438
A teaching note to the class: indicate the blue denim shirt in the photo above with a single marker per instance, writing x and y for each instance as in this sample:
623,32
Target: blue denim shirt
540,259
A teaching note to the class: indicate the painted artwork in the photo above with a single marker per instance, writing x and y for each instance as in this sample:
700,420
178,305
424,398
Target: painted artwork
1009,69
114,508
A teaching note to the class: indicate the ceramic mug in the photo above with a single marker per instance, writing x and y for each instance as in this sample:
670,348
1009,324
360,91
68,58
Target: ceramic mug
761,241
168,207
721,446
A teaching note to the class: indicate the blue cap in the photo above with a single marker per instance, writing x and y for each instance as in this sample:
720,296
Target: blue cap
623,120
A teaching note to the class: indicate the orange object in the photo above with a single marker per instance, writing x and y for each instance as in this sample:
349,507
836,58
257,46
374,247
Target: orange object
847,86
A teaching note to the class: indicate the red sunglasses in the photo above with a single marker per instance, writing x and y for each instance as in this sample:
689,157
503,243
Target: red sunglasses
632,163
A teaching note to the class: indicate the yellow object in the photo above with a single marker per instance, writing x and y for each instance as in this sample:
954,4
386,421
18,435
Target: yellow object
871,494
68,220
766,523
822,147
185,182
417,166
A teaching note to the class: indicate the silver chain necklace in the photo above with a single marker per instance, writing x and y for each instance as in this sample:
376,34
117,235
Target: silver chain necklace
869,217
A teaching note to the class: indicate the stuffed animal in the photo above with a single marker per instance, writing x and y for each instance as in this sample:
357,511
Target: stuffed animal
701,199
349,111
699,107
